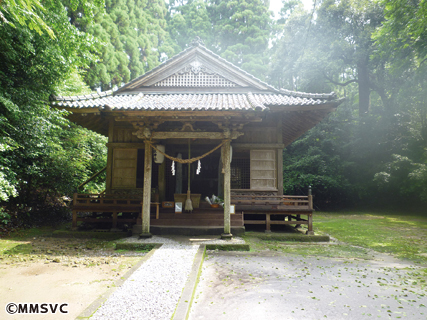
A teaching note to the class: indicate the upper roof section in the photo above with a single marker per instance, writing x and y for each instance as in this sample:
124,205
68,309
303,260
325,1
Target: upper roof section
195,80
197,68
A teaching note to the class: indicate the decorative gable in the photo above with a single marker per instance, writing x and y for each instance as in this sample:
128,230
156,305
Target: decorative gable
196,67
195,75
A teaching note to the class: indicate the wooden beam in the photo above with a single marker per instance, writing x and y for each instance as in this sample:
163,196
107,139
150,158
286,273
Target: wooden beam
91,178
188,135
184,117
258,145
136,145
181,113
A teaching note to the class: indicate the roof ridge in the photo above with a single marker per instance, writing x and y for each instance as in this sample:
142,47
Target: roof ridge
84,97
299,94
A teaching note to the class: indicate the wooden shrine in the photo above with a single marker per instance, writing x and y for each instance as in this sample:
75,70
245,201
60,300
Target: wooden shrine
232,126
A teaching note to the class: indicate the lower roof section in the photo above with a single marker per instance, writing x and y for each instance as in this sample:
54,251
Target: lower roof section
299,112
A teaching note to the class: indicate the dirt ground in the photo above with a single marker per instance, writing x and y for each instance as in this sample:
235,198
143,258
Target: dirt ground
50,270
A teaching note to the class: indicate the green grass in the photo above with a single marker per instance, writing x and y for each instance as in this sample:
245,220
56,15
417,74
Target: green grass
360,235
403,235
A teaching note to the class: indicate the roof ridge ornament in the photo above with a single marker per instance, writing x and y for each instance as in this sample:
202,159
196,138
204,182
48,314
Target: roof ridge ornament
197,41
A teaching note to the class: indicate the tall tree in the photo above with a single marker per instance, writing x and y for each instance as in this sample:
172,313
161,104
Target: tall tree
132,39
345,31
33,158
237,30
188,20
242,31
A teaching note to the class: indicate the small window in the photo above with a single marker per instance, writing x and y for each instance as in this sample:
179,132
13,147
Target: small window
240,173
263,170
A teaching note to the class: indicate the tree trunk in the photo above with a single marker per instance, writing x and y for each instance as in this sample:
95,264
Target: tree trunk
364,88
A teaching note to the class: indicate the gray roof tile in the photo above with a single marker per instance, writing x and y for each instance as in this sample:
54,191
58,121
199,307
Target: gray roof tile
190,102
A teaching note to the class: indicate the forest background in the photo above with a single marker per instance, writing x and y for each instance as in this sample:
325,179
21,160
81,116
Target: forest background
370,152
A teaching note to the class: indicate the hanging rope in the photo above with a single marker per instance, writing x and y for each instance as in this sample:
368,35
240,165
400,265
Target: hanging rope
188,160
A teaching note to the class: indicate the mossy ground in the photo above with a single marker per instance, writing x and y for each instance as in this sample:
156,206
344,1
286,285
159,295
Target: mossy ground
357,235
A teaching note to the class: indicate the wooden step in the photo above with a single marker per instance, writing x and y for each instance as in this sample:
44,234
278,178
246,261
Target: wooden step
180,222
201,216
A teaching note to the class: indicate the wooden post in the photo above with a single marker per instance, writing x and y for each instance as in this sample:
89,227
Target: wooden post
279,157
280,172
114,225
178,184
146,200
108,178
310,216
267,222
74,225
310,224
226,167
162,181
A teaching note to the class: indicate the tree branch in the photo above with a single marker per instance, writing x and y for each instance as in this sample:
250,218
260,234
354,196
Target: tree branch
342,84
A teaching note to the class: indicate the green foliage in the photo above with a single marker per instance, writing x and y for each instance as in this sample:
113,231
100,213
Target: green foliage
41,153
132,40
403,35
238,30
242,30
316,160
26,13
186,21
350,155
403,177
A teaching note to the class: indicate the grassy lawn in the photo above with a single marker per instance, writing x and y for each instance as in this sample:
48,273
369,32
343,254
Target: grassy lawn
403,235
360,235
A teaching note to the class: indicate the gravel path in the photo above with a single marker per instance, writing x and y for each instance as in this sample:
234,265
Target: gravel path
152,291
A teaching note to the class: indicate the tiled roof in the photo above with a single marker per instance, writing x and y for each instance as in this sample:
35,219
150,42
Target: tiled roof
190,102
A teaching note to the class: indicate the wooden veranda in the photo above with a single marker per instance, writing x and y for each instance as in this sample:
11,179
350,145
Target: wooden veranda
248,210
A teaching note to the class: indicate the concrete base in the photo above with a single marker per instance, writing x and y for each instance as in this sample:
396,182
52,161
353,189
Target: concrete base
189,230
310,233
137,229
145,235
226,236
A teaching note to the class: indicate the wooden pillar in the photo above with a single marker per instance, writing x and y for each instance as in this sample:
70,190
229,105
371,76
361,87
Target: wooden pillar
280,172
146,200
226,167
109,171
74,225
267,223
310,198
178,184
310,215
114,224
162,181
279,156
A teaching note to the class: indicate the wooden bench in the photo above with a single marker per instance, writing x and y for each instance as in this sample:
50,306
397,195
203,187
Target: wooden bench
290,207
107,203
